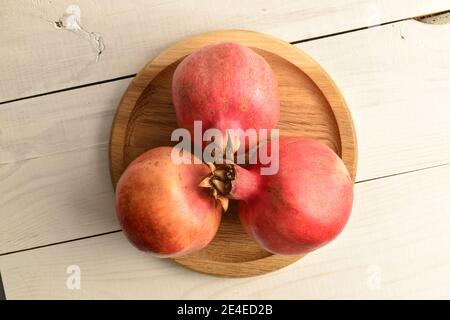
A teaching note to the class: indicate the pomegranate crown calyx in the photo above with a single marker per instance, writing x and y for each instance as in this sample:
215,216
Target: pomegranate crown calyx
219,181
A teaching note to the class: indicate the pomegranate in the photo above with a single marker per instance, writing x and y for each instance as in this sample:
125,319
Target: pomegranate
162,209
305,205
226,86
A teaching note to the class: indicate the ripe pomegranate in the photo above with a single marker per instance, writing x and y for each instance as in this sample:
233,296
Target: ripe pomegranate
162,209
302,207
226,86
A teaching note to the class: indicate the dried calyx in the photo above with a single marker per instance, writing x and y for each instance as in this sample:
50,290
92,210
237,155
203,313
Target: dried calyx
220,182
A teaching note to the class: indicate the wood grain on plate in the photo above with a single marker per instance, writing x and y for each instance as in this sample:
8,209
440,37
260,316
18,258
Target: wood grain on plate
311,105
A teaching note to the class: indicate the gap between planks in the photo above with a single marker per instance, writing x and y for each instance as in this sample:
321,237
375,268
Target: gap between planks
420,19
120,230
378,176
388,232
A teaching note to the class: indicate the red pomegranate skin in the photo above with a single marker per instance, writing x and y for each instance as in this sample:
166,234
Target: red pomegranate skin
226,86
161,208
302,207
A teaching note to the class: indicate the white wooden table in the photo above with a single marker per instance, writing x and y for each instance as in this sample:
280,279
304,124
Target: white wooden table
58,97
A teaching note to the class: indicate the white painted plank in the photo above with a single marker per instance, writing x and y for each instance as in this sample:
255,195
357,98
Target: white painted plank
36,57
395,245
56,198
396,81
60,122
54,170
401,116
54,167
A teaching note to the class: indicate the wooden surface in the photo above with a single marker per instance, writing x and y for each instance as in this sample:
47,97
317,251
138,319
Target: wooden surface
311,106
394,77
66,59
394,246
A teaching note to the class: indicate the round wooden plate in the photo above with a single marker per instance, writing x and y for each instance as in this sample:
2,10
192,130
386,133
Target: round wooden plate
311,105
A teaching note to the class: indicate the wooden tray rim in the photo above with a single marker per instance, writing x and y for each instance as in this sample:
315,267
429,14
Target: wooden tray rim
262,41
